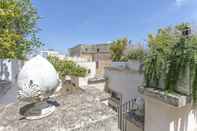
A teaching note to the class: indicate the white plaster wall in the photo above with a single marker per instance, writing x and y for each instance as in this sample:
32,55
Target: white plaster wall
163,117
124,82
81,82
76,59
119,64
89,66
133,65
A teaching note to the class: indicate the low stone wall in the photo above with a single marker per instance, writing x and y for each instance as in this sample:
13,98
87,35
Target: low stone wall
123,81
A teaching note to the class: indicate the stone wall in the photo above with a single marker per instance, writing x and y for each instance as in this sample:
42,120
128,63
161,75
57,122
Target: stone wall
102,64
98,53
91,68
160,116
124,81
9,70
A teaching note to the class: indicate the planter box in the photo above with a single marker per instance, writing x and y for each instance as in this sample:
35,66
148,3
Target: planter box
173,99
81,82
164,111
162,84
184,84
119,64
135,65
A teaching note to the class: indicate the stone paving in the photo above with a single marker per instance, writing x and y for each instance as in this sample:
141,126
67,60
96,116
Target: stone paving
78,111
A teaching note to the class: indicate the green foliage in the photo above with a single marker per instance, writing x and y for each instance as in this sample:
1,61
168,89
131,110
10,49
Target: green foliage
170,55
124,58
65,67
136,54
117,49
17,28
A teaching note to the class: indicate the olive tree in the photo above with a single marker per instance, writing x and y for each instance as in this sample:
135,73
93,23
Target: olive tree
17,28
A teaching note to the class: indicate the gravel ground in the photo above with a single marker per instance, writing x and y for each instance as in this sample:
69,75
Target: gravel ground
79,110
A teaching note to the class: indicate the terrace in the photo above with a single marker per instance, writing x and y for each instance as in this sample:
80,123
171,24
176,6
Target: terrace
79,110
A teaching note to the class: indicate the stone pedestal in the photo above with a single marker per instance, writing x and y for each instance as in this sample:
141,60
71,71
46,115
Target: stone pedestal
81,82
168,112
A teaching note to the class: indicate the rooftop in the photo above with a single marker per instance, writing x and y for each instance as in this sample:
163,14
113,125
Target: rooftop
79,110
86,48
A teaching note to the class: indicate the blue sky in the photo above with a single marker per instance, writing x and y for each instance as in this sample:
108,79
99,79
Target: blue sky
66,23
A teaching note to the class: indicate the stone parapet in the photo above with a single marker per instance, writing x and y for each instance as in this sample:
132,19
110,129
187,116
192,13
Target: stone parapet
173,99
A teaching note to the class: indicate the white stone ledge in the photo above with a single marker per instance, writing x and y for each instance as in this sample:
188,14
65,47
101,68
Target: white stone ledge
173,99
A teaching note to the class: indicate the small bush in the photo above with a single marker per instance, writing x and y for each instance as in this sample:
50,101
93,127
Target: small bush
136,54
65,67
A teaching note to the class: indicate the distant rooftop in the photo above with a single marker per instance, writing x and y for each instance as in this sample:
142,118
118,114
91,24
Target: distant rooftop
94,48
91,45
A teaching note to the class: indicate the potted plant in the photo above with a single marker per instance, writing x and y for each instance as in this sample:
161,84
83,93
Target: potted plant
135,58
171,63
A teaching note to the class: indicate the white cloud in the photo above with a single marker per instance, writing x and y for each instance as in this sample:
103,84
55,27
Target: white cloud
179,3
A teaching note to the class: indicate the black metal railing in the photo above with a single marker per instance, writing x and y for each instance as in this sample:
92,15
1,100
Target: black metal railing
123,109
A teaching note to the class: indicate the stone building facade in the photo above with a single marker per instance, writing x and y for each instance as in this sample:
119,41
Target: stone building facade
100,53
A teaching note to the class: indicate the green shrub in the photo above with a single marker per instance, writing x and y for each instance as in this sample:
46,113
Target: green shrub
117,49
170,54
136,54
65,67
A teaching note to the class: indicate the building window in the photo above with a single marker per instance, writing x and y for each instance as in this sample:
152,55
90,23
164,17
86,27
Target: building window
86,49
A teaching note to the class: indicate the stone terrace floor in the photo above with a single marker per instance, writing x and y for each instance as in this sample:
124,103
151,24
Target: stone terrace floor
79,111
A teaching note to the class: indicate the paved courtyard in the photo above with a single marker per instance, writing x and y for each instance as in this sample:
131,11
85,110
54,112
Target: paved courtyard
81,110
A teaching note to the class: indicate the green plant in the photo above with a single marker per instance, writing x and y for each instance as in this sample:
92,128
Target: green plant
17,28
65,67
170,56
136,54
117,49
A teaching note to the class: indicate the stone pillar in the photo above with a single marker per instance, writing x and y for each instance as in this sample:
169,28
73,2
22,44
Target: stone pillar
168,112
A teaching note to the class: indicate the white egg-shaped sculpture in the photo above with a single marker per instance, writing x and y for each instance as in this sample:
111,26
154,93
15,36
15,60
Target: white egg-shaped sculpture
37,78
